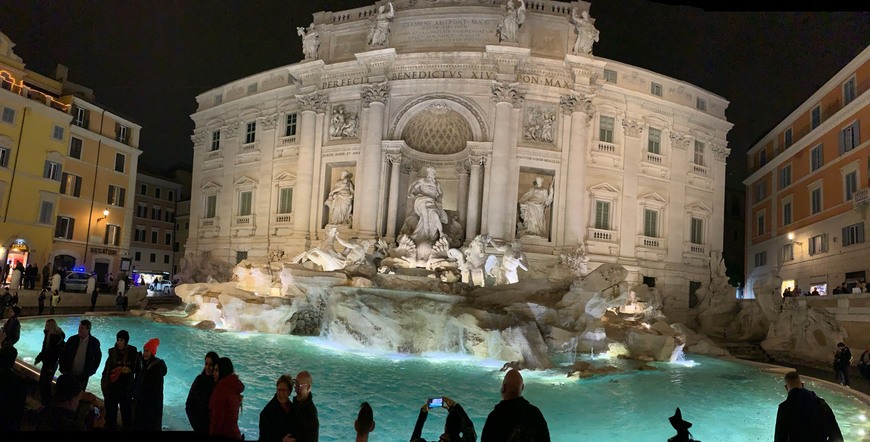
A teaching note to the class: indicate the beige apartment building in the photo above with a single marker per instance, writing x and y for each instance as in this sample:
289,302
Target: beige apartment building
153,233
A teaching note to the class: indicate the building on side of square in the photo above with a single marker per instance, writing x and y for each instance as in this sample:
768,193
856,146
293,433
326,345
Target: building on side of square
631,163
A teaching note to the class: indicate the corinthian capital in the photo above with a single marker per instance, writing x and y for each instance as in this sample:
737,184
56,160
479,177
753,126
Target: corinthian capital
507,93
632,128
721,152
314,101
375,93
680,141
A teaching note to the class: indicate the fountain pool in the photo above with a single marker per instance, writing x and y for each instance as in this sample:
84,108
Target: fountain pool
725,401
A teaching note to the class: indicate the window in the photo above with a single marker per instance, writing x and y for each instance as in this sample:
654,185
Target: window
119,162
290,127
817,158
285,200
762,158
167,239
850,138
170,196
169,217
605,129
165,259
218,99
245,202
116,196
785,177
8,115
156,192
81,117
650,223
176,247
696,235
816,117
699,153
156,213
153,237
75,148
609,76
815,201
654,142
153,257
252,88
113,235
138,256
52,171
215,140
786,214
122,133
850,185
787,252
210,206
143,189
818,244
853,234
849,91
760,259
655,89
64,227
760,191
57,133
701,104
4,157
251,132
140,234
788,137
71,185
759,227
602,215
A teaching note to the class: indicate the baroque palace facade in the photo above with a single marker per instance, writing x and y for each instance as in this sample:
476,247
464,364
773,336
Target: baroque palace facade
529,136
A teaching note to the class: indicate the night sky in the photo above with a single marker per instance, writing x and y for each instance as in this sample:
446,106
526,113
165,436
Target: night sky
147,59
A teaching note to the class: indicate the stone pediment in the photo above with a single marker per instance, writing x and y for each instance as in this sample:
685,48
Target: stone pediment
245,181
699,207
604,189
211,187
285,179
654,198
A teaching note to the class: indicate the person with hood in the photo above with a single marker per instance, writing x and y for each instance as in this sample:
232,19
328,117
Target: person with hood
149,394
277,418
119,374
52,345
92,289
457,428
864,363
226,401
81,355
46,276
514,418
200,394
803,416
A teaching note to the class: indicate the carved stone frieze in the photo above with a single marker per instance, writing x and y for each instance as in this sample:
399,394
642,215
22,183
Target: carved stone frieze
632,128
314,101
231,130
344,123
269,122
507,93
680,141
375,92
540,124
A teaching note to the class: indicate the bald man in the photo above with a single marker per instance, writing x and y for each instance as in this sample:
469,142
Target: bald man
514,418
803,416
307,425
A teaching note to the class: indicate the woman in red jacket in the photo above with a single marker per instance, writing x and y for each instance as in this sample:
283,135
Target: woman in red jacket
226,401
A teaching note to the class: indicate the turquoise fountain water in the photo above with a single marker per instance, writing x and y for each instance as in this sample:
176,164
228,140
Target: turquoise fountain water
726,401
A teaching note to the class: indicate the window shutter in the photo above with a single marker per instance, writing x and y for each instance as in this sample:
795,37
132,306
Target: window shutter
824,242
845,237
57,226
860,228
63,178
46,170
78,189
842,139
111,191
71,228
117,131
106,236
856,134
122,192
87,120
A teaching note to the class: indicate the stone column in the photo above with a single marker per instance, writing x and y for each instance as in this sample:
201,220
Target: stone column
677,215
462,197
310,105
628,229
577,210
717,219
395,161
374,97
506,97
473,215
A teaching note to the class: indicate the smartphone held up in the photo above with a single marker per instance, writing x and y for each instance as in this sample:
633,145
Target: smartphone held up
436,402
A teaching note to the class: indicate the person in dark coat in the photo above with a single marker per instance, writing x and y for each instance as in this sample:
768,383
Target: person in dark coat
117,381
46,276
12,328
52,345
43,295
200,394
149,394
842,361
65,413
307,425
864,363
803,416
457,428
514,416
225,402
81,363
277,418
13,391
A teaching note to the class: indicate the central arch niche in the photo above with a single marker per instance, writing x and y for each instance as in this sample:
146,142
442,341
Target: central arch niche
437,130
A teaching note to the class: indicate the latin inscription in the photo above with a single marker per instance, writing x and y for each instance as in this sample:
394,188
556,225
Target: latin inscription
444,32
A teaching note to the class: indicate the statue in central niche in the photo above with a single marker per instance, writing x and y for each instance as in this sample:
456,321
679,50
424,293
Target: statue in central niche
340,200
427,196
533,209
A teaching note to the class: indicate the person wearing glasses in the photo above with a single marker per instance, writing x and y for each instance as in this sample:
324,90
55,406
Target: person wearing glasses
307,425
199,395
279,415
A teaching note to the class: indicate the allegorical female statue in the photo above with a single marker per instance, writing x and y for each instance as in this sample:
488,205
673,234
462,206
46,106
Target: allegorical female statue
381,27
511,22
427,195
340,200
310,42
533,207
587,35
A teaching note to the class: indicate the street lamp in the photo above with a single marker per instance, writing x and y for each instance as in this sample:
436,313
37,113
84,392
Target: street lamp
105,215
88,236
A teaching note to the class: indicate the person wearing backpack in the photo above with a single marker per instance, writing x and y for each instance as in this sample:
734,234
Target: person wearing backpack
514,418
803,416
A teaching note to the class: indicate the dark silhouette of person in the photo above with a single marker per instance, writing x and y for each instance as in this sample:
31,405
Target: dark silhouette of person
514,417
196,406
803,416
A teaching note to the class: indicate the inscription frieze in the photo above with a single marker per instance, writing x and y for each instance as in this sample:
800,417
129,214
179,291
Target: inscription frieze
447,31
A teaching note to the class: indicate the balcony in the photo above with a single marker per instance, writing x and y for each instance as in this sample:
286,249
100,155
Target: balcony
699,170
213,155
700,177
695,249
654,165
288,140
208,222
249,147
606,154
601,235
244,220
651,248
649,241
283,218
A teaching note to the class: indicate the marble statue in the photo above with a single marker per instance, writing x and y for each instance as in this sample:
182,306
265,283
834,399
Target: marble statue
577,260
511,22
310,42
587,35
344,124
427,195
533,208
505,271
340,200
475,260
328,258
381,27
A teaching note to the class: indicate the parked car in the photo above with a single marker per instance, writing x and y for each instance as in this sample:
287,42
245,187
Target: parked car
162,286
75,281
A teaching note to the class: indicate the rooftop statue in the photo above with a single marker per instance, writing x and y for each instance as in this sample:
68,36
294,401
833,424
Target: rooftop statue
310,42
381,27
587,35
511,22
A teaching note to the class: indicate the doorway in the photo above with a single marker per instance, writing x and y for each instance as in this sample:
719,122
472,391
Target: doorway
101,268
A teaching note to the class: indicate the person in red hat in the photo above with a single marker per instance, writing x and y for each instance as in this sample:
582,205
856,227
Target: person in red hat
149,395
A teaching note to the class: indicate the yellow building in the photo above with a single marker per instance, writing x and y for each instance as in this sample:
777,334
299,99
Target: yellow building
34,134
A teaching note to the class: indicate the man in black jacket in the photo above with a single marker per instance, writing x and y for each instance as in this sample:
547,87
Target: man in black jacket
307,425
514,418
277,418
842,361
81,355
803,416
